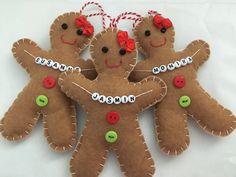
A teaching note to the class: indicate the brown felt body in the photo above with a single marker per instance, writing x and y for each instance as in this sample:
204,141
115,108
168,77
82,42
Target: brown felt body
59,116
171,119
130,148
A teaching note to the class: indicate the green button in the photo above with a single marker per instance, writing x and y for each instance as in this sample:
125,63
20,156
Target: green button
184,101
42,100
111,136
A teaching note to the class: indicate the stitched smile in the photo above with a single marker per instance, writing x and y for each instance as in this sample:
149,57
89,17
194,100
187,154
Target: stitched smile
67,42
113,65
158,45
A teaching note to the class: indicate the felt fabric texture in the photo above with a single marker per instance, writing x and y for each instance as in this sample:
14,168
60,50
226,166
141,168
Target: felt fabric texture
131,150
170,117
59,116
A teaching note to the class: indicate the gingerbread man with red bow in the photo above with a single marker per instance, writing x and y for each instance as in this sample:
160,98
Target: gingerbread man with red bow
42,98
86,28
112,104
185,98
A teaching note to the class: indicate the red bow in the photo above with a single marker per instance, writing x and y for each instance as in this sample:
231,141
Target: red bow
161,22
125,41
87,28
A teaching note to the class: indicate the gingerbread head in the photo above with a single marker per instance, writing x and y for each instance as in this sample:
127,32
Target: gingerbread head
155,33
113,52
71,30
185,98
70,33
112,104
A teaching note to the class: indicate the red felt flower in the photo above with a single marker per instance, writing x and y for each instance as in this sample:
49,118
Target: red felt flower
161,22
130,45
125,41
87,28
79,22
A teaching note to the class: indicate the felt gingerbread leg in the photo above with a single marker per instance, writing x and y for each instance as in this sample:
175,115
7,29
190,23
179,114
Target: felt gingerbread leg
90,155
60,129
172,131
133,154
211,116
21,116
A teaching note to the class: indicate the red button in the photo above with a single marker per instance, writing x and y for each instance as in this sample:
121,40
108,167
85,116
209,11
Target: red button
179,81
112,117
49,82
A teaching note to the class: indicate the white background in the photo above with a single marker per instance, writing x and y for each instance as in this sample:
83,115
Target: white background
213,21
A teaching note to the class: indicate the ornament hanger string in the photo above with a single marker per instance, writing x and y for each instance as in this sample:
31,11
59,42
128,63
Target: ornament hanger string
126,16
102,12
153,12
104,15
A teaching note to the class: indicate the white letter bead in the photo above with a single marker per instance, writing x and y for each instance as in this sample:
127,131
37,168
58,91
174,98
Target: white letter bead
155,70
117,100
43,61
189,60
77,69
50,63
109,100
55,65
163,68
102,99
62,67
95,96
124,99
38,60
177,64
170,66
69,68
183,62
132,98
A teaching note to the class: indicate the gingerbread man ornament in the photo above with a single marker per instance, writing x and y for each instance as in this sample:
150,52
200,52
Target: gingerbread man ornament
155,35
70,34
112,104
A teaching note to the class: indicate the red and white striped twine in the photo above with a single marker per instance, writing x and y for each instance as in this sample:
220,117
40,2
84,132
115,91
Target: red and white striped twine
128,16
153,12
103,14
96,14
114,21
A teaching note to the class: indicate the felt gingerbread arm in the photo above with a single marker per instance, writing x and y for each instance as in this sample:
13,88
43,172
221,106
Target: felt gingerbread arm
199,50
139,72
151,90
22,51
76,86
88,69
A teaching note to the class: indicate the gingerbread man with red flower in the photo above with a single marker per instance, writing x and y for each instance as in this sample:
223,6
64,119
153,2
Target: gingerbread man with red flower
42,98
185,98
112,104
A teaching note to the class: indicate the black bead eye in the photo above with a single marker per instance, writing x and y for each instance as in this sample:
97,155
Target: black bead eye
163,30
105,49
147,33
122,51
64,26
79,32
